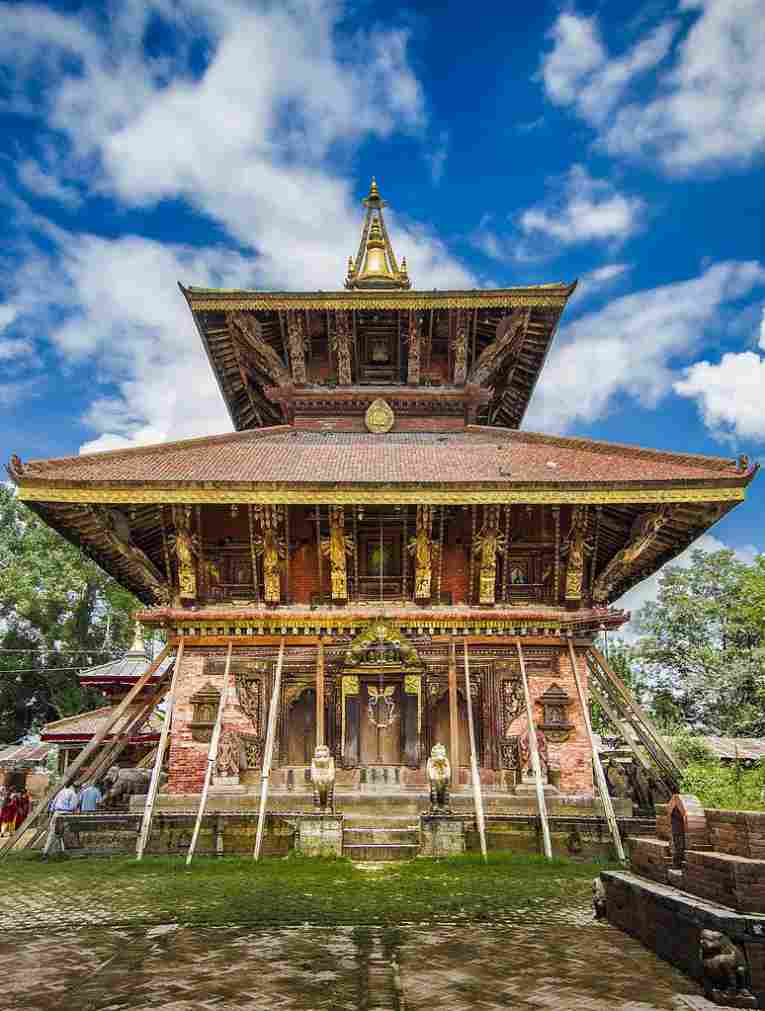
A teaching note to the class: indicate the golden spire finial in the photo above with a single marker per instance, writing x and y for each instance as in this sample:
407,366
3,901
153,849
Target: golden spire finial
375,264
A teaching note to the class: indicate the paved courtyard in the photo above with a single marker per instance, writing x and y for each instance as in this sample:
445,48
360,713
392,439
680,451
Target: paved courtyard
555,958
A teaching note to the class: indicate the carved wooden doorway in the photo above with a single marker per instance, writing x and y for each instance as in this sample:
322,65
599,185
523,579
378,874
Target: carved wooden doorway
301,729
380,722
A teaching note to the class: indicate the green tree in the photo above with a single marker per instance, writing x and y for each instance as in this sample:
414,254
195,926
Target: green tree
58,612
700,647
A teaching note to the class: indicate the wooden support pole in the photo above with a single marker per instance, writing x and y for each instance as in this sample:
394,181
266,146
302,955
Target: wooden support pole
320,694
454,739
600,778
212,755
115,748
148,811
85,754
534,750
268,752
477,796
619,726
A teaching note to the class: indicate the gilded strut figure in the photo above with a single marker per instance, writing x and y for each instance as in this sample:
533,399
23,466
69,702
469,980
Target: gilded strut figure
273,550
577,549
488,542
336,547
643,534
424,550
186,548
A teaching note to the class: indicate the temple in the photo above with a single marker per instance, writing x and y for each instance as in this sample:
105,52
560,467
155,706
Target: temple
380,513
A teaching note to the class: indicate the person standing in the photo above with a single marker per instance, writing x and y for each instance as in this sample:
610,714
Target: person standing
23,805
89,799
66,801
8,814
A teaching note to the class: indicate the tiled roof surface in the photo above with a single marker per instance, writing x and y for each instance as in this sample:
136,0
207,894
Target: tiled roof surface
90,723
25,755
747,748
126,668
499,456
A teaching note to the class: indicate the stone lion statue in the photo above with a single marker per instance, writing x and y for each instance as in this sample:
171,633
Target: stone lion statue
599,899
723,964
121,784
439,776
323,778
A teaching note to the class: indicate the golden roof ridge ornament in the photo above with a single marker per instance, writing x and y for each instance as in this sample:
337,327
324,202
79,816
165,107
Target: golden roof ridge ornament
375,265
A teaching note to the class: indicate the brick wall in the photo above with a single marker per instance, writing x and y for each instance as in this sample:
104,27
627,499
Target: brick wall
651,858
738,882
740,833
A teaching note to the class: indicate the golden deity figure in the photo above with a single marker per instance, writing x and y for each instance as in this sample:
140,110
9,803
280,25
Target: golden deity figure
273,550
577,549
336,547
423,549
643,533
488,542
186,548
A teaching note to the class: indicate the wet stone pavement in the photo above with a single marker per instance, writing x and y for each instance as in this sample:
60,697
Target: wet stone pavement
552,959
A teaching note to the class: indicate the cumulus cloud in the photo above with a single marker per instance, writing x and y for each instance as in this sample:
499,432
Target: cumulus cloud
730,394
46,184
587,210
595,281
704,104
633,345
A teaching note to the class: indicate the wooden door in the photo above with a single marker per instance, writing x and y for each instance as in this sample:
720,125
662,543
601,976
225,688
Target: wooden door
441,735
380,723
301,729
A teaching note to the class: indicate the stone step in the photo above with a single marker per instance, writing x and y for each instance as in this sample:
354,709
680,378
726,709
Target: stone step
353,836
381,821
380,851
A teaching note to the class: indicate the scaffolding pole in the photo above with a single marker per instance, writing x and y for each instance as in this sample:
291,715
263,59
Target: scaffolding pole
534,751
212,755
477,796
148,811
600,778
268,752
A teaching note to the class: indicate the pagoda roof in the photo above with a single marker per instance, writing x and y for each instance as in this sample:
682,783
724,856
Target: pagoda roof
122,673
288,464
81,727
262,342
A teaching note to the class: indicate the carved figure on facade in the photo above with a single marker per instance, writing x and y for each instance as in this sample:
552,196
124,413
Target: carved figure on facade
248,694
512,702
488,542
439,772
524,753
340,340
273,550
381,643
323,778
115,527
460,348
232,754
503,350
645,529
413,365
724,967
336,547
424,551
247,329
296,344
576,550
186,548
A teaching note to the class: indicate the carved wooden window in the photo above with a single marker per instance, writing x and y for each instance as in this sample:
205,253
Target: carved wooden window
205,710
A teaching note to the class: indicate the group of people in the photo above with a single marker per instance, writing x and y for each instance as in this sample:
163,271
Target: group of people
69,801
14,808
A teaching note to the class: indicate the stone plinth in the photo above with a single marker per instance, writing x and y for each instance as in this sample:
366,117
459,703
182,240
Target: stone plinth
441,835
320,835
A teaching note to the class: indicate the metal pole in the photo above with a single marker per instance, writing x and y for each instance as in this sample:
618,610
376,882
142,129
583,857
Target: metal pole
600,778
266,770
535,764
477,797
212,754
85,754
148,811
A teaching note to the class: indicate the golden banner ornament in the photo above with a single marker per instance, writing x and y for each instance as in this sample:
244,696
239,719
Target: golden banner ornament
379,417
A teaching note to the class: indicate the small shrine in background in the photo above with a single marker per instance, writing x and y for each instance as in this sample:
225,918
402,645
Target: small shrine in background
380,512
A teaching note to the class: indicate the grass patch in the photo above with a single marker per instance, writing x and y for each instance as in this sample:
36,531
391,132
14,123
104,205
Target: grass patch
726,786
296,890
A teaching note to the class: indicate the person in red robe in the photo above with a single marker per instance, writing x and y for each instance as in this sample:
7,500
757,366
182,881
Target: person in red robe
23,804
8,814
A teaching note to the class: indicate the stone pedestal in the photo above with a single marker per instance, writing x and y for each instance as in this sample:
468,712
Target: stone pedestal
320,835
441,835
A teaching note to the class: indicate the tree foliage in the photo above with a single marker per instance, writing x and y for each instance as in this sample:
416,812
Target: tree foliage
700,655
53,601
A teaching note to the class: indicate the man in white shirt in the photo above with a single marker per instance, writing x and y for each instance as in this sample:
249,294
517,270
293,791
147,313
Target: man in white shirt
66,800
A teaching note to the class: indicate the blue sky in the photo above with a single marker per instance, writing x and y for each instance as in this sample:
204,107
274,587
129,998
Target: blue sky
227,143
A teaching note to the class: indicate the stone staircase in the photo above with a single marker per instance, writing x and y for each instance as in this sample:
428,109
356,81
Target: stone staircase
381,837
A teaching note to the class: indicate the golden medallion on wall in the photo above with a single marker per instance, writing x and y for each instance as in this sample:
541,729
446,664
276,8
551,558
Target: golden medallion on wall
379,417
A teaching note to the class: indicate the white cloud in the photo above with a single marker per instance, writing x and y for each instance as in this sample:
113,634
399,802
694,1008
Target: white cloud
595,281
707,109
648,590
730,394
587,210
46,184
8,314
632,345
